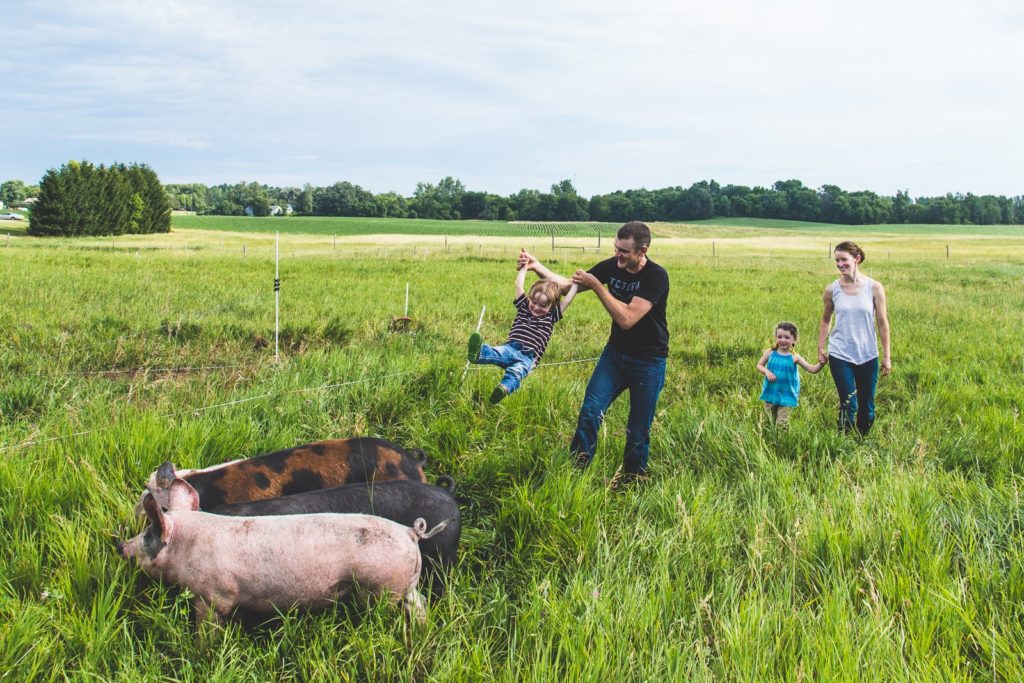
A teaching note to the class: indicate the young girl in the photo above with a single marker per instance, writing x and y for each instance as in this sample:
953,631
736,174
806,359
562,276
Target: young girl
781,390
536,315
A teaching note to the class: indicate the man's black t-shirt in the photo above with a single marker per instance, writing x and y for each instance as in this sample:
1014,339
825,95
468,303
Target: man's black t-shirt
649,336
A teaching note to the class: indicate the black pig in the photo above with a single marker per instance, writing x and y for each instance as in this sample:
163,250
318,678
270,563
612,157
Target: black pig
398,501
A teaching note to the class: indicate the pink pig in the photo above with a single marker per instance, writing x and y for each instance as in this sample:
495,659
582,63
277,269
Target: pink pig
276,562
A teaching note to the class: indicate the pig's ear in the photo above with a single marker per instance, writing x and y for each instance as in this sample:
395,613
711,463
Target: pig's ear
156,517
165,475
182,496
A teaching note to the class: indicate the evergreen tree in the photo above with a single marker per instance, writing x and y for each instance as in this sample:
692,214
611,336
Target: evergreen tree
82,199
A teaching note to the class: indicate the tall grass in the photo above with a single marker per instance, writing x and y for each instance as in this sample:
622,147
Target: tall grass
752,554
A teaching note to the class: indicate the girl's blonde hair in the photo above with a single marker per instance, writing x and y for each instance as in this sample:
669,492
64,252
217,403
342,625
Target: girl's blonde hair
548,288
788,327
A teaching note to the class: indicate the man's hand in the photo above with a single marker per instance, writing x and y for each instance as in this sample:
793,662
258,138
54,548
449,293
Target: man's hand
526,260
585,280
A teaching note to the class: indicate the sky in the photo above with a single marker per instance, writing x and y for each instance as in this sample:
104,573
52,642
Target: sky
917,95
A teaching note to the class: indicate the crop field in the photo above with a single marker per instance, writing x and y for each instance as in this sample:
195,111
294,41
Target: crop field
751,554
326,225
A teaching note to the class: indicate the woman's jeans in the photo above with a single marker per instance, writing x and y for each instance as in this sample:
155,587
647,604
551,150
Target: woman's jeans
517,360
856,387
615,372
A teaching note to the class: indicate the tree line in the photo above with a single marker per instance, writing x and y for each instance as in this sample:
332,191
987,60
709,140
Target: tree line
450,200
82,199
124,187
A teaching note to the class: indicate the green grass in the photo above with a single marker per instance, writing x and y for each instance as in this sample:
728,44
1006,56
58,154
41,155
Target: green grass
751,555
13,227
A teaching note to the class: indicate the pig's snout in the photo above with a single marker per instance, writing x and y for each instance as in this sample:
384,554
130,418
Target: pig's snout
122,547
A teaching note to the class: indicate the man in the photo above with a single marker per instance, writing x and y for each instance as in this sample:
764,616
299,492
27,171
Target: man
634,357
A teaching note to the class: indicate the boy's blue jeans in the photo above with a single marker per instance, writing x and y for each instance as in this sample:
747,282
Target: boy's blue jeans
517,360
856,387
615,372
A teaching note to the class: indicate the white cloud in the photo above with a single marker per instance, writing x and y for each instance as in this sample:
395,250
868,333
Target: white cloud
525,94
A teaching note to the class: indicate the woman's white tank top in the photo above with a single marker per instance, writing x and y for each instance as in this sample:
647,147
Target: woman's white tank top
853,335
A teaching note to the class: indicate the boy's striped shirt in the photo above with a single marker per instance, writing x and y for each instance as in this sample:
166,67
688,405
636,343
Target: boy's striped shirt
531,331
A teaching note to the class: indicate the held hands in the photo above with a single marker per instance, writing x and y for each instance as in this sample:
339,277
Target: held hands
585,280
526,260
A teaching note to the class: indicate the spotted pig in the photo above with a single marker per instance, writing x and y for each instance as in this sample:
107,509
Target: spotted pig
318,465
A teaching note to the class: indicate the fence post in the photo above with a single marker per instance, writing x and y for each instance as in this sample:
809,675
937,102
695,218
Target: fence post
277,296
552,239
947,252
478,325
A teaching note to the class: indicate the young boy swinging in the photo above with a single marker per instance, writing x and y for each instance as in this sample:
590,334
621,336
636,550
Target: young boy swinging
536,315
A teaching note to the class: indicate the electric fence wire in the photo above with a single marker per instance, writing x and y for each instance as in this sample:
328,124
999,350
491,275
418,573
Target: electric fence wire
202,409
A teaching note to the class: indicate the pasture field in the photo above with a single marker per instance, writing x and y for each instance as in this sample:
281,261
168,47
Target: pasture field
750,555
720,227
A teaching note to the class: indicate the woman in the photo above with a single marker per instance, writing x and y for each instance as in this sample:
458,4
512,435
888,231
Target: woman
858,303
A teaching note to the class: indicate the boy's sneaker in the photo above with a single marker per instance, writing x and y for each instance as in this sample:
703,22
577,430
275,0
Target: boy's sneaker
476,340
499,393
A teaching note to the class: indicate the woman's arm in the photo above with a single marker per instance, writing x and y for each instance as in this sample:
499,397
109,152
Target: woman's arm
763,369
882,320
826,322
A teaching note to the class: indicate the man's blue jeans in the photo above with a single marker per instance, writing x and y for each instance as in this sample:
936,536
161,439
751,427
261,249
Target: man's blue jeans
517,360
856,387
615,372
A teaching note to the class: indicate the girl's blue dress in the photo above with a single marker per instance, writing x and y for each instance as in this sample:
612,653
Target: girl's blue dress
785,390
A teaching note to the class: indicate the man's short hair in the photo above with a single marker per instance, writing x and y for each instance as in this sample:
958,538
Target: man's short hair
636,231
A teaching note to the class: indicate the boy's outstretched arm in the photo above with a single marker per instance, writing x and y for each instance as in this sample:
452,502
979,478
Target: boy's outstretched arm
569,296
521,282
527,261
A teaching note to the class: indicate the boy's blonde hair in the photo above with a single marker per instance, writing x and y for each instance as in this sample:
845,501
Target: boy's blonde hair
548,288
